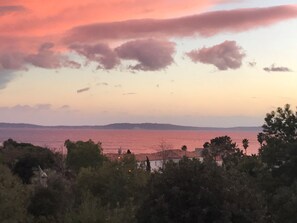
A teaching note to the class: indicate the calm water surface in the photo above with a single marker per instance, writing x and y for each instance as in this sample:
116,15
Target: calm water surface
138,141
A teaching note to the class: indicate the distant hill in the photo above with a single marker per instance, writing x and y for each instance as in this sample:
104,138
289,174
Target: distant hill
18,125
157,126
131,126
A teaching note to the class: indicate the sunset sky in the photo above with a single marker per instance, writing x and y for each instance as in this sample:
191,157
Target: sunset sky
201,63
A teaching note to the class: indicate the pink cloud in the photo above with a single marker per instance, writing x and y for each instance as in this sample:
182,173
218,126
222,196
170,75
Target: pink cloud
227,55
11,60
100,53
27,25
150,54
46,57
205,24
56,16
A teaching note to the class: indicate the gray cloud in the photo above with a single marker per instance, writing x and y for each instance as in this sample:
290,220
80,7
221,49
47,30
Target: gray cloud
43,106
24,108
129,93
83,90
227,55
274,68
150,54
252,63
8,9
46,57
9,63
38,114
65,107
102,84
5,77
100,53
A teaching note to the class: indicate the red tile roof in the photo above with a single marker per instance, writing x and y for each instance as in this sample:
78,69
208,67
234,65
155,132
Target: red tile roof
161,155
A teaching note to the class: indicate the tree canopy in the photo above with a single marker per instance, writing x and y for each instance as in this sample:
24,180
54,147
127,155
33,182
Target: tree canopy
221,148
280,125
83,154
190,191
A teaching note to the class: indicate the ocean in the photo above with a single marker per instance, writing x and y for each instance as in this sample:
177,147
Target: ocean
138,141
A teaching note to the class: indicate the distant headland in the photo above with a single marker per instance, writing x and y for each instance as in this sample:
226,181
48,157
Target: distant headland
134,126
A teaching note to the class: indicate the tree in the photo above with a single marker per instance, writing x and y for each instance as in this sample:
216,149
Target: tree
148,165
279,151
13,197
250,165
164,150
44,202
245,144
184,148
280,125
24,168
260,138
283,204
221,148
115,183
83,154
23,158
191,191
51,203
89,210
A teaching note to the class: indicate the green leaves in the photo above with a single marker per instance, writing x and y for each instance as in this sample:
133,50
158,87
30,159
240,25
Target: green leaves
190,191
83,154
221,148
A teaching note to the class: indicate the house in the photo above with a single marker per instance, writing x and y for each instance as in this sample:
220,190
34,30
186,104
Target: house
158,159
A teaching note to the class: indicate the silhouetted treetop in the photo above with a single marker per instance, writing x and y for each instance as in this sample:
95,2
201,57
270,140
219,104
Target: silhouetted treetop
280,125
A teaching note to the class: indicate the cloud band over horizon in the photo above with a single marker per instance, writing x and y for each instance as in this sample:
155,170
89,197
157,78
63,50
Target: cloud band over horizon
204,24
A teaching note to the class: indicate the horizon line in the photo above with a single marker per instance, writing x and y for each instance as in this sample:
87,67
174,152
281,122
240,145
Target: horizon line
128,123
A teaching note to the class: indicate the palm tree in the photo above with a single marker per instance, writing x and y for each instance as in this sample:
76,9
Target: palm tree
184,148
245,144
